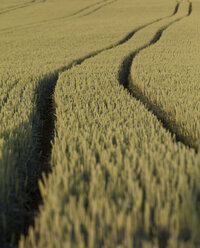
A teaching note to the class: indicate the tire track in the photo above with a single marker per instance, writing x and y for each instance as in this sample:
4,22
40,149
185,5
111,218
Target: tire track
120,42
22,6
48,89
176,8
86,8
75,14
13,6
7,30
46,111
190,9
93,54
125,79
95,10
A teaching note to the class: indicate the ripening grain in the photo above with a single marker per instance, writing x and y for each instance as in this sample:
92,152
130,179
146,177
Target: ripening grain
34,49
167,74
119,179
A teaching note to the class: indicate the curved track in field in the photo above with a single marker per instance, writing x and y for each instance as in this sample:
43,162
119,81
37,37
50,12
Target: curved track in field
48,91
86,11
86,8
101,4
126,80
100,7
81,11
92,54
175,10
23,5
20,6
14,6
48,120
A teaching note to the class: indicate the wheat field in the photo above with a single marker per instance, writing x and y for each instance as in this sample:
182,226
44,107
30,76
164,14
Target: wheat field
99,124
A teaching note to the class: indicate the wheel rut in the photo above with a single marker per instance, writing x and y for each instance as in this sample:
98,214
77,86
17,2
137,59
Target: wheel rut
126,80
22,6
13,6
120,42
100,7
190,9
88,7
176,9
76,14
45,108
46,105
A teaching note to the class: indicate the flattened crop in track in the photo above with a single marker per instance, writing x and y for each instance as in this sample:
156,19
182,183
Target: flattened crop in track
162,234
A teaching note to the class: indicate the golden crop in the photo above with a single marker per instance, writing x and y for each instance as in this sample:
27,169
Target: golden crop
118,177
168,75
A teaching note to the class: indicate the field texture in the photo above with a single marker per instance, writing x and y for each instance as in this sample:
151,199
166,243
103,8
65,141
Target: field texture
99,124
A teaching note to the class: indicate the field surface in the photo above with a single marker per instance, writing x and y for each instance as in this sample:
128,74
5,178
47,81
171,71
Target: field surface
99,124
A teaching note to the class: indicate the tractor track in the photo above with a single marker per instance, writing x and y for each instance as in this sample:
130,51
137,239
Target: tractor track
86,8
75,14
93,54
176,9
125,79
22,6
100,7
14,6
46,111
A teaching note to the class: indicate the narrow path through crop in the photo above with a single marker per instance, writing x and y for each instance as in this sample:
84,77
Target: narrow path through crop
102,4
20,6
13,6
76,14
100,7
126,80
88,7
120,42
46,111
176,9
190,9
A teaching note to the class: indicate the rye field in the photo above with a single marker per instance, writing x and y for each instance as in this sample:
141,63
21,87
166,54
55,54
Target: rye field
99,123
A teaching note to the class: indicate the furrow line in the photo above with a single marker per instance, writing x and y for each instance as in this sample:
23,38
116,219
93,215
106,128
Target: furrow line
190,9
7,30
13,6
176,9
125,79
20,7
45,108
120,42
86,8
46,111
100,7
75,14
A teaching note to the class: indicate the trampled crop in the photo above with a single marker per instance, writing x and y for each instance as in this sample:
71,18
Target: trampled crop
81,100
